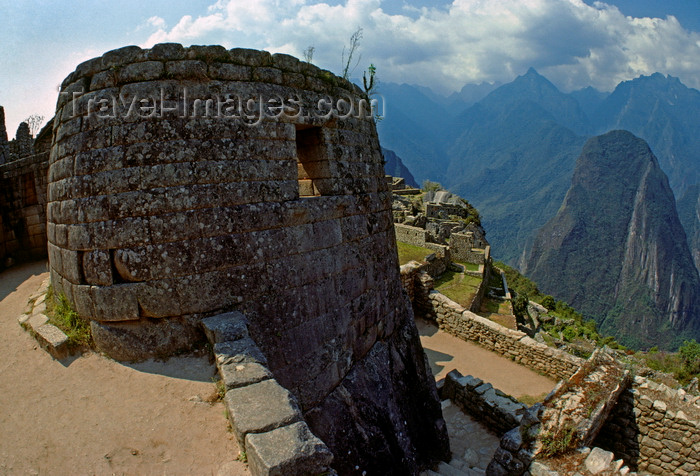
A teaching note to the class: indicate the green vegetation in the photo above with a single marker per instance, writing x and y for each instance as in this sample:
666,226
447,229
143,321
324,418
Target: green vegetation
459,287
470,266
530,400
559,442
493,306
684,364
63,316
411,253
567,324
430,186
220,388
570,326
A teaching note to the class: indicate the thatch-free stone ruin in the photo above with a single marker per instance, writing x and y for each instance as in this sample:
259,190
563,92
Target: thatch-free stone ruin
185,182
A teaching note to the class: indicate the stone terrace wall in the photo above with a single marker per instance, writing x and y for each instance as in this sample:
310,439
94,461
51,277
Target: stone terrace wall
411,234
654,429
165,212
23,208
516,345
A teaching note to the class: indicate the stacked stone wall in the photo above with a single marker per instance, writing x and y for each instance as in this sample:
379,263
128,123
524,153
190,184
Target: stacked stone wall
411,234
264,416
163,213
500,412
516,345
23,185
485,268
654,429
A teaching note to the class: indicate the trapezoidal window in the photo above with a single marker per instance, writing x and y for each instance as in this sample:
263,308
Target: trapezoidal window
312,162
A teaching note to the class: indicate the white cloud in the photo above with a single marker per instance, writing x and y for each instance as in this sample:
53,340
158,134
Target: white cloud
572,43
157,22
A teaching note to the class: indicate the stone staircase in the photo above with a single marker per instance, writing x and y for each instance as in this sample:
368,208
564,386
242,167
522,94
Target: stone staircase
473,445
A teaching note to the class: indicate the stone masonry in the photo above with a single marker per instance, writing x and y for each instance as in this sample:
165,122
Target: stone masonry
186,182
655,429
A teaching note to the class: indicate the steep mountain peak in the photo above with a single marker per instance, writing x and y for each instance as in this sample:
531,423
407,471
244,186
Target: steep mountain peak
616,249
533,79
535,88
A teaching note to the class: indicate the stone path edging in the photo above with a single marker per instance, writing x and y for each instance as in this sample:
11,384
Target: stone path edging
265,417
36,322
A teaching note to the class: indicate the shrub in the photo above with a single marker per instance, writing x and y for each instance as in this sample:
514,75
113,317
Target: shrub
570,333
431,186
690,352
520,306
548,302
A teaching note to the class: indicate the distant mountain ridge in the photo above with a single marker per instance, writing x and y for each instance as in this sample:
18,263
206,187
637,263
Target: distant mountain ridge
613,249
665,113
512,153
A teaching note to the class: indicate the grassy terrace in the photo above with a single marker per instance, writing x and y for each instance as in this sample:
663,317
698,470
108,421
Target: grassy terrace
411,252
459,287
470,266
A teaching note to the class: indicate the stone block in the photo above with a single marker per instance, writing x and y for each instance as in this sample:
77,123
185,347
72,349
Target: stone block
166,51
97,267
23,320
83,301
141,340
267,75
512,440
158,299
538,468
53,340
229,72
186,69
36,321
598,460
288,451
237,375
116,303
481,389
239,351
260,407
126,54
146,71
229,326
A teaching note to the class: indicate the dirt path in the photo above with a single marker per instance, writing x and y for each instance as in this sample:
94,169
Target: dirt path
91,415
446,352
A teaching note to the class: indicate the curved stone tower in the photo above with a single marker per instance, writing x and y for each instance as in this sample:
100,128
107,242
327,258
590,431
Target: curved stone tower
189,181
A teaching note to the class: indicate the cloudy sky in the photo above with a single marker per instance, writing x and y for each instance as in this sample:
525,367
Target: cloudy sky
441,44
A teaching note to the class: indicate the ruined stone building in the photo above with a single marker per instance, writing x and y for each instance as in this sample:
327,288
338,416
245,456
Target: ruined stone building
24,164
185,182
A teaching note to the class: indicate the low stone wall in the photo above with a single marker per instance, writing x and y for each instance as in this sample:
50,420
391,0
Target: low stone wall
265,417
463,251
654,429
23,208
489,405
411,234
475,305
569,418
516,345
